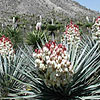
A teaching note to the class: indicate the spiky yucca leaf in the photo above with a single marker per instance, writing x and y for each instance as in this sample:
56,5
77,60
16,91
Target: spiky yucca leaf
10,84
84,85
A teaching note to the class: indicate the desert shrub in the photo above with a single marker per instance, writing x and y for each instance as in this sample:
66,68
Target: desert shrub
35,37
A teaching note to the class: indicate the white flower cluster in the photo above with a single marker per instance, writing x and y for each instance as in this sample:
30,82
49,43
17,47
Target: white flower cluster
96,30
6,47
97,24
72,34
53,61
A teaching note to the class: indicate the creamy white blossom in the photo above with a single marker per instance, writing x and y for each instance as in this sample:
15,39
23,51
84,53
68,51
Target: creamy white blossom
53,60
96,30
6,47
72,34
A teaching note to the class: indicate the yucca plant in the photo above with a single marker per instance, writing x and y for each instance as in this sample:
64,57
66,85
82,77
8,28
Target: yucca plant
76,79
35,37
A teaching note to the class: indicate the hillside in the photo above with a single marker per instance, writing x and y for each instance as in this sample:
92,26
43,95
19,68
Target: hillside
68,8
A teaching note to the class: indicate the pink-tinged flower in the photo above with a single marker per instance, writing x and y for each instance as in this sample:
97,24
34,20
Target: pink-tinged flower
72,28
71,34
36,50
96,25
96,30
6,47
98,19
53,60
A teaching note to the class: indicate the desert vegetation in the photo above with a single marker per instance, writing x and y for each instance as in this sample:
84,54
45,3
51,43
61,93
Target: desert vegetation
50,60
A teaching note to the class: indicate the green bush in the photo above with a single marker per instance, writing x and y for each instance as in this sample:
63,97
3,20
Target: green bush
44,27
35,37
51,27
88,25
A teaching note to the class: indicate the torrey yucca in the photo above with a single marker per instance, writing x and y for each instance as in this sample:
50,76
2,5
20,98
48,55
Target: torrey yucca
63,72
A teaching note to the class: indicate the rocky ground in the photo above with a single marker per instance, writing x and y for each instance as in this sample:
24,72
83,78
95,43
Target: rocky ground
67,8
